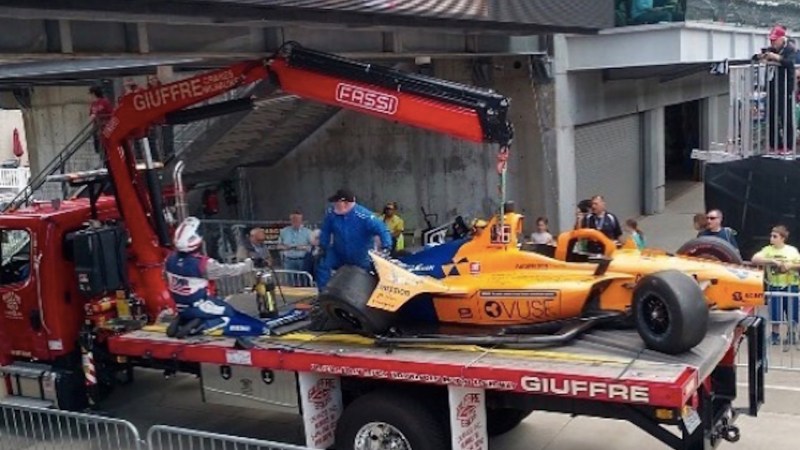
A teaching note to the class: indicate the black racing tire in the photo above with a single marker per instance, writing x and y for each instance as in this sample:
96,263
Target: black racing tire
670,311
417,424
712,248
345,300
502,420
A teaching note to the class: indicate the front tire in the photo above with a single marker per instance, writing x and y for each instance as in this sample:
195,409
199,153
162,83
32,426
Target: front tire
383,419
345,299
670,311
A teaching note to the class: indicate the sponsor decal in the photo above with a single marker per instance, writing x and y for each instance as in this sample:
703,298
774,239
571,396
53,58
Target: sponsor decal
475,267
741,297
587,389
468,418
367,98
394,290
521,304
531,266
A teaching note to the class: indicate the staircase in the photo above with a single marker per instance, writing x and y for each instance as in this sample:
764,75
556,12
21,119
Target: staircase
78,155
262,136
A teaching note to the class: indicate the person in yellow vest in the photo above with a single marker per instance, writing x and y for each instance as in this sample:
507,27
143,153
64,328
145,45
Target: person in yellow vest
395,225
781,262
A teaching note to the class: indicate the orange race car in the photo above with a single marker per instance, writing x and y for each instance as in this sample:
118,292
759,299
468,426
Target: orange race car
496,293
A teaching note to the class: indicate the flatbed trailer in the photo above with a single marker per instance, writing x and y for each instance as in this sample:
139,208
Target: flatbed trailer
346,382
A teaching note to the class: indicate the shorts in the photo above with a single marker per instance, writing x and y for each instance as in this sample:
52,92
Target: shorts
782,307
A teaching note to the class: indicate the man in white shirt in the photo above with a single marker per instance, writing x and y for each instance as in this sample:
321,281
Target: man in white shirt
294,242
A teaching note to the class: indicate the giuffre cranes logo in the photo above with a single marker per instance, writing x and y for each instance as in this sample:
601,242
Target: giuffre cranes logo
368,99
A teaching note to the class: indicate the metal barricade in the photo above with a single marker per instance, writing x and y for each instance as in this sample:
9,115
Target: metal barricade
762,118
783,346
161,437
294,278
42,429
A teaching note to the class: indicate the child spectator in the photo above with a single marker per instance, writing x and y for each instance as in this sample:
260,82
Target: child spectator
632,228
781,262
542,234
700,223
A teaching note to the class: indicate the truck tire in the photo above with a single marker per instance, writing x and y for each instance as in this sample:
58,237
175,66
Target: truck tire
713,248
345,300
502,420
398,421
670,311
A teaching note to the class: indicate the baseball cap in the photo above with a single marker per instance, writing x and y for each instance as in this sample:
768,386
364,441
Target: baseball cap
342,195
777,32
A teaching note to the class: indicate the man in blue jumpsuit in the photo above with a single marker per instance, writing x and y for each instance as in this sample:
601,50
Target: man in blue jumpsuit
353,229
191,276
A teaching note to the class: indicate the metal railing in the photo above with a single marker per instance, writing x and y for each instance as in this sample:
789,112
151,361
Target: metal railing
78,155
39,428
161,437
762,118
781,315
23,427
15,179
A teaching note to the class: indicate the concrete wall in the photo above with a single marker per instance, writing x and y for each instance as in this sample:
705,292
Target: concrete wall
9,120
382,161
584,97
56,116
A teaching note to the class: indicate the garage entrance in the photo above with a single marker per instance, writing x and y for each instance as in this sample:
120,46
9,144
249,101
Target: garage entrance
682,135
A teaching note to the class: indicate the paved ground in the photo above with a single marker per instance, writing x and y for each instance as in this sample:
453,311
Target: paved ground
153,400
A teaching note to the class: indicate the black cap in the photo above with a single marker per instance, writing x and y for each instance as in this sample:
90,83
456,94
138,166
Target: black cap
343,195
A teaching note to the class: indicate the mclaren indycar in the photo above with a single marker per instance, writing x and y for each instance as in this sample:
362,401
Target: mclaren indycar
486,289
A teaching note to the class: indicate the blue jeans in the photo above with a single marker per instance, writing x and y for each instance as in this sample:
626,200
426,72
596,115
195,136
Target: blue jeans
783,306
294,264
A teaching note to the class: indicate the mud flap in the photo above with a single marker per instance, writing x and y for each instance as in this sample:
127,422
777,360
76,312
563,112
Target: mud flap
468,422
321,400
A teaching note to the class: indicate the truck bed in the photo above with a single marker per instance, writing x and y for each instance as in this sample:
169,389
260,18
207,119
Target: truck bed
604,364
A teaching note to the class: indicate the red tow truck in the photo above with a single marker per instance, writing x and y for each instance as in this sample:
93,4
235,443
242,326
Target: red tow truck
81,279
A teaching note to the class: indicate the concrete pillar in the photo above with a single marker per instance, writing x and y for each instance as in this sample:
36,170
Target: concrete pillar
654,161
563,206
710,109
56,116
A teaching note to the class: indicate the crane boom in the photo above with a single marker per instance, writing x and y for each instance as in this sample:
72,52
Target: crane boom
465,112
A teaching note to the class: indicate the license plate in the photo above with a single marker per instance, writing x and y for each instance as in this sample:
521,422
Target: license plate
691,420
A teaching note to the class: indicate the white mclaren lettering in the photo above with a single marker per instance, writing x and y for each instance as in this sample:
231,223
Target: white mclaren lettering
583,388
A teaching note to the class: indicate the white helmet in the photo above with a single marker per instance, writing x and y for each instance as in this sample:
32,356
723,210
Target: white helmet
187,239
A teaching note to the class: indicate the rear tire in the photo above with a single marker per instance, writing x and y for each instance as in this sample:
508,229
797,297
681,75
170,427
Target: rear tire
388,416
712,248
345,299
670,311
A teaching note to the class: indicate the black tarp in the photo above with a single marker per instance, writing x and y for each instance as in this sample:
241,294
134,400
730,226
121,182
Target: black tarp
754,194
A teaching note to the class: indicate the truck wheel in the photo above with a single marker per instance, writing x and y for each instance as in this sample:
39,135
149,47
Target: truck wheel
670,311
345,300
713,248
502,420
384,419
